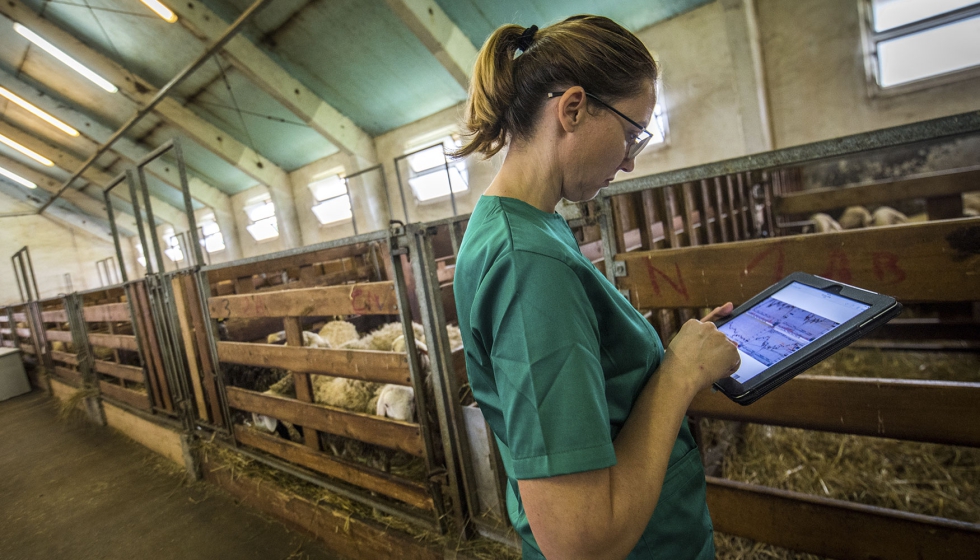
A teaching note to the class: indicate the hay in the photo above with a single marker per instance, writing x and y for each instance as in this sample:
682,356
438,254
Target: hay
239,465
900,364
69,407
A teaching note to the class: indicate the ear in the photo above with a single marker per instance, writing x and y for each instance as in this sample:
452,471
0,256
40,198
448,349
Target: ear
571,108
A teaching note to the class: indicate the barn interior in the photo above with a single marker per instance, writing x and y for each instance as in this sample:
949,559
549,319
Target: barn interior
233,227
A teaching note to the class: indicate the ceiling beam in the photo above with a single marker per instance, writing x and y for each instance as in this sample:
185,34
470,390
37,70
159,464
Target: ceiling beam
201,131
451,47
58,215
91,206
68,162
273,79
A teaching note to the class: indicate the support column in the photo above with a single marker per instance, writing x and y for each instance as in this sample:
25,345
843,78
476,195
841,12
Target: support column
742,27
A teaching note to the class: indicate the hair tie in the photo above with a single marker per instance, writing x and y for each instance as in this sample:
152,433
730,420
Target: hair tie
524,41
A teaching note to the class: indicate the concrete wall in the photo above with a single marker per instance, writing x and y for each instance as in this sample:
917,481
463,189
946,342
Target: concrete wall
55,250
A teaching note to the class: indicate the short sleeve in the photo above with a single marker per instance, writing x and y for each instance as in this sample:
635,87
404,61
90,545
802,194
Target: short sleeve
542,336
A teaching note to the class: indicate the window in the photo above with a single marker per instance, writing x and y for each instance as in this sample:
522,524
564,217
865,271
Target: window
173,251
659,124
427,171
915,42
333,200
211,238
261,214
141,258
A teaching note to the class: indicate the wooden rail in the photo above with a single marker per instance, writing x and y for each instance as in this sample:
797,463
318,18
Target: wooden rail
27,349
55,316
65,357
132,398
368,428
24,333
129,373
835,528
367,365
819,200
928,411
61,336
117,341
294,261
901,261
107,312
352,299
69,374
412,493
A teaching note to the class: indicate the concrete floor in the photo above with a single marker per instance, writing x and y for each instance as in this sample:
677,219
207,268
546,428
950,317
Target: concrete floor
69,489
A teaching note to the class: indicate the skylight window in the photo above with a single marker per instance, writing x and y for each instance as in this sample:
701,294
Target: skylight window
332,197
173,250
431,173
261,214
211,238
921,41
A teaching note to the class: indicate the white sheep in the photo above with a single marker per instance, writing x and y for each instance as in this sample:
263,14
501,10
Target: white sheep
310,339
336,333
886,216
823,223
855,217
397,402
971,204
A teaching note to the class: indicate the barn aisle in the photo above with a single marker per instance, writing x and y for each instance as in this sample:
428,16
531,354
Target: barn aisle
69,489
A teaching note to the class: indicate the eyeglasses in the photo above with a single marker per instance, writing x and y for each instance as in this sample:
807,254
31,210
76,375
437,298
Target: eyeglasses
637,143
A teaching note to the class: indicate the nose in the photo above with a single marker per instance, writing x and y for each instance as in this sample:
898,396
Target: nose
627,165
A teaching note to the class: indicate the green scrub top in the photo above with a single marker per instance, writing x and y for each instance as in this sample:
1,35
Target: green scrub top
556,357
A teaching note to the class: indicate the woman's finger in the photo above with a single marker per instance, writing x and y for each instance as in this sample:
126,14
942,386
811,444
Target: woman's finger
719,312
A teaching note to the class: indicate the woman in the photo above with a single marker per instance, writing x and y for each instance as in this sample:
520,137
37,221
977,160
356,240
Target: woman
587,407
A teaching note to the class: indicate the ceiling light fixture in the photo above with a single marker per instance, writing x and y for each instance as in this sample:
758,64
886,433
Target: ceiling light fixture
26,151
60,55
159,9
17,178
38,113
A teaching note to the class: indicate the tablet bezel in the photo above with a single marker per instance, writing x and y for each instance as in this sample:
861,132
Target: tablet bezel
882,308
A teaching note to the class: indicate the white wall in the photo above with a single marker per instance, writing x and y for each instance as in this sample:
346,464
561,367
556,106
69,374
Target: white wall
55,250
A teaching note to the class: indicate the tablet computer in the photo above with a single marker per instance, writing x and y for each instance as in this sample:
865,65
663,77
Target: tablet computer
792,325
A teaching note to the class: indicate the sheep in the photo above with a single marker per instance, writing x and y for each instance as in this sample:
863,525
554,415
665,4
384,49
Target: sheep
397,402
855,217
336,333
886,216
971,204
822,223
310,339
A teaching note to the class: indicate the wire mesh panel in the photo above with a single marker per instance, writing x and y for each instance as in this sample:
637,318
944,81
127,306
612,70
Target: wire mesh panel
315,354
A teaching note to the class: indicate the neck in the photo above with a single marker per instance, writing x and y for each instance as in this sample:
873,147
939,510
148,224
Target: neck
530,174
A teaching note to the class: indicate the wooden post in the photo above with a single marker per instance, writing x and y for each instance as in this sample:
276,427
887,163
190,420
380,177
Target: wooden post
304,388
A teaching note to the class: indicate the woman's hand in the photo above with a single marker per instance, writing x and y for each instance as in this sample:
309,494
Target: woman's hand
718,313
700,354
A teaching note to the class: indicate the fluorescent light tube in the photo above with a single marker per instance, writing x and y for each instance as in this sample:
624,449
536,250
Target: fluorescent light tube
17,178
39,113
60,55
159,9
26,151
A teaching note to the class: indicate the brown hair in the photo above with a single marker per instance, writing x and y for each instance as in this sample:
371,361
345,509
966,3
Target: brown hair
508,90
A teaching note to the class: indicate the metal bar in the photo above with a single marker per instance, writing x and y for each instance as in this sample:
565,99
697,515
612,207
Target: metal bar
449,177
13,262
350,201
401,189
608,236
151,221
134,198
188,203
415,369
115,231
30,266
203,291
924,24
210,51
835,147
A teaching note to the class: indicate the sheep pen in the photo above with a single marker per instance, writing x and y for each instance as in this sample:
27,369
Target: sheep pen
928,479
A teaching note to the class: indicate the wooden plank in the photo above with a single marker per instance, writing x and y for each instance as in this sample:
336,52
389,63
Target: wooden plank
24,333
928,411
27,349
132,398
6,331
69,374
709,218
901,261
118,341
721,217
157,372
278,264
368,428
208,368
137,295
107,313
346,536
835,528
129,373
20,317
412,493
869,194
370,298
367,365
187,335
56,316
62,336
157,438
302,383
64,357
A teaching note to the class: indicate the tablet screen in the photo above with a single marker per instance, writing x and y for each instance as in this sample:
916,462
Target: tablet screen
783,323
